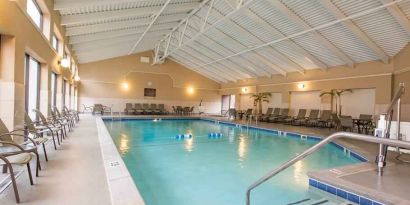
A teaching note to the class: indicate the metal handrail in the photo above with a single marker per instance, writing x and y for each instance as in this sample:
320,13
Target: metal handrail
396,98
366,138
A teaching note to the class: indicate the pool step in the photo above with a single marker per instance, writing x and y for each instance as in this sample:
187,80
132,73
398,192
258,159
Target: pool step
323,201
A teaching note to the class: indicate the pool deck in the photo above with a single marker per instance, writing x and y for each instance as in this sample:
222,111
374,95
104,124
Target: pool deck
79,173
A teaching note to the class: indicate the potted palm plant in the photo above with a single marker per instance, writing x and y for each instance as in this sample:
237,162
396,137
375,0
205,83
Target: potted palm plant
339,94
332,94
258,98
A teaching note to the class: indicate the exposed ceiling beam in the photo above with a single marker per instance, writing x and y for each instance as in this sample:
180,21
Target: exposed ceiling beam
94,45
398,14
118,25
73,4
295,46
113,34
321,39
69,20
266,61
331,8
149,27
304,32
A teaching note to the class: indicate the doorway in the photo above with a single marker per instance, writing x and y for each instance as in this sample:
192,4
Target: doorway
228,101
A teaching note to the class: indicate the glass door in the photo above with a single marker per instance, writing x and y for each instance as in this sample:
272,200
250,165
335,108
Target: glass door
32,83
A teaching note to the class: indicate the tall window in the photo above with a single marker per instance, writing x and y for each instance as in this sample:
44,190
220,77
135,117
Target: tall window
64,89
35,13
56,42
53,90
32,83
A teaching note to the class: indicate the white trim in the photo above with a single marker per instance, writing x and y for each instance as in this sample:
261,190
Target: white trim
305,81
120,183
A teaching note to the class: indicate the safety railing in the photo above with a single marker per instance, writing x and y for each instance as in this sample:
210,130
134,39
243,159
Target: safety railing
361,137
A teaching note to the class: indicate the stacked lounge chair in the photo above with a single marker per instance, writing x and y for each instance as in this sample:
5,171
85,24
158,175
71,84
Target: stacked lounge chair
301,115
275,113
129,109
313,115
283,115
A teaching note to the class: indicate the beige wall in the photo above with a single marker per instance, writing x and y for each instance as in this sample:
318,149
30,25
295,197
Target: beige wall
402,74
20,36
101,82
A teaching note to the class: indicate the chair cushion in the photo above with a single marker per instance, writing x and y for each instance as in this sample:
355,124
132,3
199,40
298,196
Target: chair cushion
19,159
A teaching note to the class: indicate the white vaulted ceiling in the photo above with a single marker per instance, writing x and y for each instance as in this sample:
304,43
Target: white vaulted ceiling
229,40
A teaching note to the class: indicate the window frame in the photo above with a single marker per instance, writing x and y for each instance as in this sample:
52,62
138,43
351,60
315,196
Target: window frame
55,42
41,26
27,83
53,91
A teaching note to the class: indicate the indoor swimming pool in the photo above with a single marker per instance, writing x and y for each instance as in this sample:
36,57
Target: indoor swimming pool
200,162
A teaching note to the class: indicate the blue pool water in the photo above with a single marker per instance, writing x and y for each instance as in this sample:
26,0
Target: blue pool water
204,171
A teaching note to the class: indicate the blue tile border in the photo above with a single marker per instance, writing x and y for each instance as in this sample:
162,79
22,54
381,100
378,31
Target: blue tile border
350,196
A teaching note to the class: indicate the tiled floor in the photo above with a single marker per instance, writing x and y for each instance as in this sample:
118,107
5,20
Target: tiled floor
74,174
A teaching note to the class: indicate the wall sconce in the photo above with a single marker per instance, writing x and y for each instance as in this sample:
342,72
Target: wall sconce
301,85
77,78
190,90
245,90
65,63
125,85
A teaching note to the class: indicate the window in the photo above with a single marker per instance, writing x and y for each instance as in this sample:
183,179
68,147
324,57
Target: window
55,42
35,13
64,89
53,90
32,83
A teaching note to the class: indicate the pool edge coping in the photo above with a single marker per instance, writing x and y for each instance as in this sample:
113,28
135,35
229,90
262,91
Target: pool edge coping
117,174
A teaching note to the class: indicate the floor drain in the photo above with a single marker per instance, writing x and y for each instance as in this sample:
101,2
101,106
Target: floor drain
114,164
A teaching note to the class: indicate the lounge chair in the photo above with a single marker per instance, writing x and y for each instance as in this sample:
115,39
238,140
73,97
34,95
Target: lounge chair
346,123
248,113
138,109
19,158
72,112
129,109
146,108
301,115
283,115
325,120
268,113
62,121
180,110
313,115
154,109
87,108
24,141
191,110
162,110
70,120
275,113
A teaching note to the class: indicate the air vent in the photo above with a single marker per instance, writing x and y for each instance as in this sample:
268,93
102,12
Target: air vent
144,59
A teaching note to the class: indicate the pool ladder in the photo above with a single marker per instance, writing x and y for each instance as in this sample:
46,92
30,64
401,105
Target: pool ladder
383,140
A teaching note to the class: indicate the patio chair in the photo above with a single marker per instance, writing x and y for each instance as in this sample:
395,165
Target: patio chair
325,119
301,115
232,113
346,123
180,110
138,109
98,108
54,125
89,108
191,110
313,115
72,112
38,129
186,110
65,116
62,121
162,110
365,123
19,158
27,143
146,108
283,115
248,113
154,109
275,113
